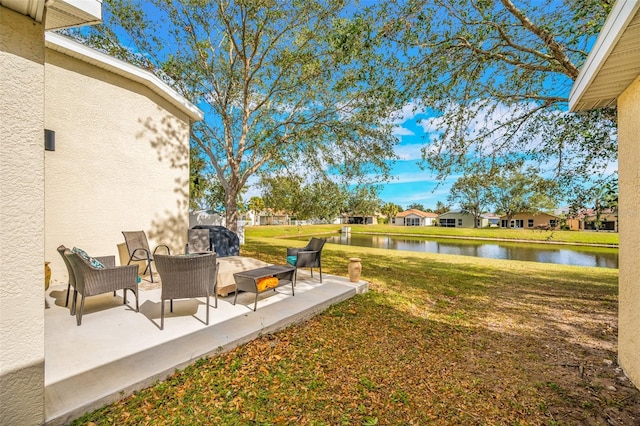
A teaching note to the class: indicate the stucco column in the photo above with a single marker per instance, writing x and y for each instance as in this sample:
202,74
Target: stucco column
629,196
21,220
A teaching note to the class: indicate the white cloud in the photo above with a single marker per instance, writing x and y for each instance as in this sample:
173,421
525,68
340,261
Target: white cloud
406,113
485,121
408,151
402,131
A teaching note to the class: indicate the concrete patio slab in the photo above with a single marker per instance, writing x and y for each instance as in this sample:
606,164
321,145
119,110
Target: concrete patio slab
117,351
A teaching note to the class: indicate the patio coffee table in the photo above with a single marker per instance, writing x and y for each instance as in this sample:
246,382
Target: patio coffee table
248,280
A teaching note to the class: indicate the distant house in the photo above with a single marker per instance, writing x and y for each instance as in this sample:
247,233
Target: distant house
270,217
355,219
531,221
414,217
461,219
587,218
608,221
492,219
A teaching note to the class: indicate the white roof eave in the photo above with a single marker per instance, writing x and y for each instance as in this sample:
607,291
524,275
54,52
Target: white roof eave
84,53
623,12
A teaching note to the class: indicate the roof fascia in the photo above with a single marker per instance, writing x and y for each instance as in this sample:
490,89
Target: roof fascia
77,50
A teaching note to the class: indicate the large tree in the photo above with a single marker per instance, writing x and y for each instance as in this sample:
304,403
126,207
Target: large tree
473,193
522,191
283,83
494,78
363,200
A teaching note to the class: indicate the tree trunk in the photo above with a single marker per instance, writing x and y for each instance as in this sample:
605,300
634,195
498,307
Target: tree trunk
231,214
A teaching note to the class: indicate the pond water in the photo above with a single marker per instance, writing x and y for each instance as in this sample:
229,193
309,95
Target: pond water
544,253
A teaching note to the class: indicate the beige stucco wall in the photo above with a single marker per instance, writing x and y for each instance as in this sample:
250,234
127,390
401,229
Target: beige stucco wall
629,196
541,219
467,219
21,220
121,162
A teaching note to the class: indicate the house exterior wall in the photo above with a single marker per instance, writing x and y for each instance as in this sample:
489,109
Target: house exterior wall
397,221
541,219
462,220
121,162
608,222
412,219
21,220
629,193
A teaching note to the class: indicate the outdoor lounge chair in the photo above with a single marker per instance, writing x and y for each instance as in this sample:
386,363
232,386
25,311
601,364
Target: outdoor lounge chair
90,280
138,248
198,241
309,256
187,277
223,241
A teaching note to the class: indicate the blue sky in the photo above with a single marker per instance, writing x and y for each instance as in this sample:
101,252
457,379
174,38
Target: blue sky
411,184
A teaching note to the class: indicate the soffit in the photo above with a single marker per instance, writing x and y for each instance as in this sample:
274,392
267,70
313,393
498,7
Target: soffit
58,14
613,63
72,13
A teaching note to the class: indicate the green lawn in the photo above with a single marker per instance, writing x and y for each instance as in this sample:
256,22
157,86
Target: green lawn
438,340
573,237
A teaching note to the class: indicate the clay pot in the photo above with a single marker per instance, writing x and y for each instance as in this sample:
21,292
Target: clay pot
355,269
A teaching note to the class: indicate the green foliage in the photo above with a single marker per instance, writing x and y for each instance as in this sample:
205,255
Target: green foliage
282,193
390,210
442,207
498,75
516,191
363,200
323,200
199,180
473,193
416,206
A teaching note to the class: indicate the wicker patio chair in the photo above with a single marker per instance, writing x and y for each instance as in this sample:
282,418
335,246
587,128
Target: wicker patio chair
138,248
198,241
186,277
309,256
90,281
105,260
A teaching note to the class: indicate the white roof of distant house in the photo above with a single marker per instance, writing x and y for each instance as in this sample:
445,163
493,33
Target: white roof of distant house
416,212
490,216
614,61
84,53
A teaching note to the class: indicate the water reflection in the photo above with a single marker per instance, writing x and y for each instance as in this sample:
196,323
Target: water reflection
544,253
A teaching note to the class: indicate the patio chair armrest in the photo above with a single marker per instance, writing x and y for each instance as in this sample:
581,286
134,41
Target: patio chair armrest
308,252
162,245
111,279
135,255
293,251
